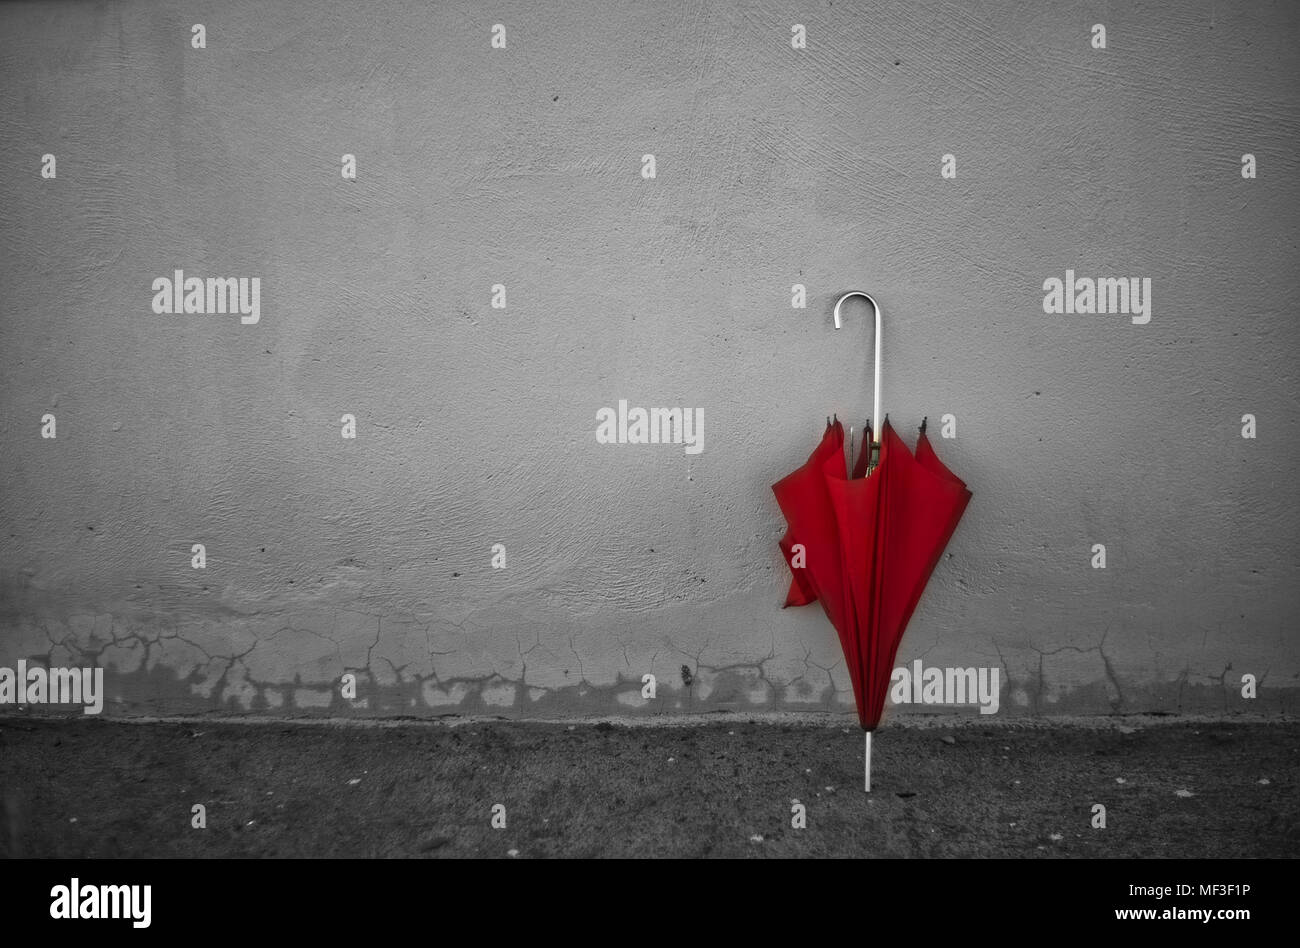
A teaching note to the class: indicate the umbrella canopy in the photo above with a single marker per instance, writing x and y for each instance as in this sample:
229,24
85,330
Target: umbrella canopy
864,546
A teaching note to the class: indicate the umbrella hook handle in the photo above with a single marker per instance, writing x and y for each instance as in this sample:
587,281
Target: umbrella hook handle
876,418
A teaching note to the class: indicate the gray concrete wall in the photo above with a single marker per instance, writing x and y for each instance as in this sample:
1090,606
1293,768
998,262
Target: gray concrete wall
521,166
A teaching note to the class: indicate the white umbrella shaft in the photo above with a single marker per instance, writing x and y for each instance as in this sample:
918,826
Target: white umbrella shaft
876,418
867,773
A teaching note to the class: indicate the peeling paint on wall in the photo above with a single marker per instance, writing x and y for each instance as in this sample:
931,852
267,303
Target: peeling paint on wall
411,668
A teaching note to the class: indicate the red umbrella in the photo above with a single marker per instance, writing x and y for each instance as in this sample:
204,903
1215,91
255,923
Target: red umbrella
864,544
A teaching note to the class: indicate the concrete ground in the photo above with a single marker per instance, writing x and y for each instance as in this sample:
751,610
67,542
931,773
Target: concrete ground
92,788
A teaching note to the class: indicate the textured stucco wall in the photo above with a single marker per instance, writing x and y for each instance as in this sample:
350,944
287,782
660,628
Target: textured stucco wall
476,426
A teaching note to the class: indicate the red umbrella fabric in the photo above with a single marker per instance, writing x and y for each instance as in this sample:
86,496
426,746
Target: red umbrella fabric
869,544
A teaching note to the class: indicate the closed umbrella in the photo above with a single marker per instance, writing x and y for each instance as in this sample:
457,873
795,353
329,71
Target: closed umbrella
864,543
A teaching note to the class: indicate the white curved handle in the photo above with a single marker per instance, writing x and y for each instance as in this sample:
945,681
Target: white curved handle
877,419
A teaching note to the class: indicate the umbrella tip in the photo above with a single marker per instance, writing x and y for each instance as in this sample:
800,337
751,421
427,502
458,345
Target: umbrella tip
923,421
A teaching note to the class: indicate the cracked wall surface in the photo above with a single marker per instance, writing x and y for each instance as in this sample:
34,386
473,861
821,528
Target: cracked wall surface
372,557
